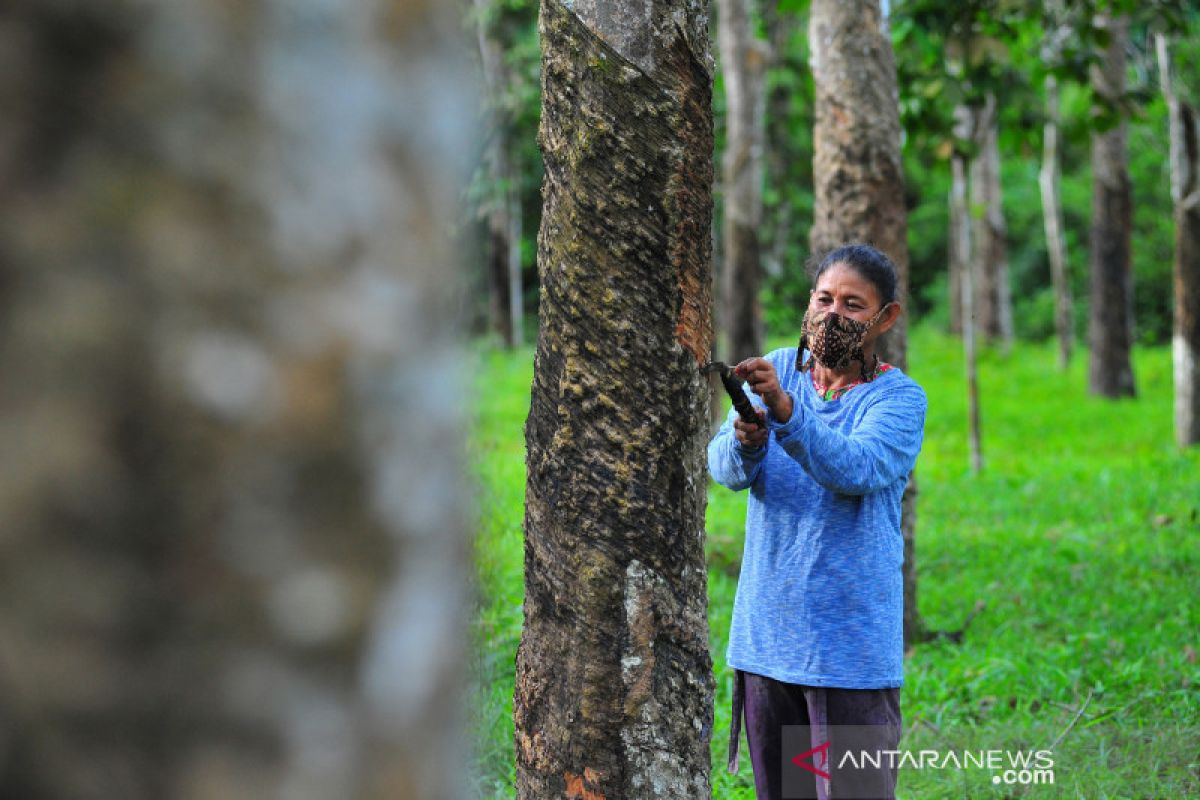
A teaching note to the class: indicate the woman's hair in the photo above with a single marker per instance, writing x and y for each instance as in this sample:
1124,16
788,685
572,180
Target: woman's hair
866,261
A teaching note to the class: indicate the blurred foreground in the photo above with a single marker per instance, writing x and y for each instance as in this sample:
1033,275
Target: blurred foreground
231,560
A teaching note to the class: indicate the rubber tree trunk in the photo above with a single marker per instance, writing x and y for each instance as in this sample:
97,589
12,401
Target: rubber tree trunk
956,256
743,66
858,177
780,217
1110,321
502,207
614,681
993,296
232,561
961,244
1185,192
1049,179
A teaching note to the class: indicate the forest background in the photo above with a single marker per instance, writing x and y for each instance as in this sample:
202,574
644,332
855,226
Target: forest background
1062,575
1008,49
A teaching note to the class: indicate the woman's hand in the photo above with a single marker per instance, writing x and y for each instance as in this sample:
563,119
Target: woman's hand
764,382
750,435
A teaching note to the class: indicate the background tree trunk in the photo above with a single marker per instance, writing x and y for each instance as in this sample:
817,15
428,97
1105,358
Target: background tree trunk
743,64
958,231
1185,192
965,126
957,237
1056,245
993,297
232,564
614,680
780,220
858,177
1110,322
502,207
960,167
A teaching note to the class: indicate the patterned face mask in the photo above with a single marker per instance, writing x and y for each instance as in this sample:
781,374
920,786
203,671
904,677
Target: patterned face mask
834,340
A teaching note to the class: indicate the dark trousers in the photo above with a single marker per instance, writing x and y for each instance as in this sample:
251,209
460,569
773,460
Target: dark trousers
769,705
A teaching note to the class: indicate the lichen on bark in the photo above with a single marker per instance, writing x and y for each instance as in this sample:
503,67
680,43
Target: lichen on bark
614,685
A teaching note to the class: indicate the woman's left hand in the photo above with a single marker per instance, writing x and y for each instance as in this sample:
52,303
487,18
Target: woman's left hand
764,382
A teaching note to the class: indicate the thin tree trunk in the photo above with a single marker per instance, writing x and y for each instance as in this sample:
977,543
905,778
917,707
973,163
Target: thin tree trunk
218,301
779,220
743,64
1185,193
614,680
504,303
993,297
1056,246
497,251
859,180
966,123
960,168
1110,322
959,216
516,289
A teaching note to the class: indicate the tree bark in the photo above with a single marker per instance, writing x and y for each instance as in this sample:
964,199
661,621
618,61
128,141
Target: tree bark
614,679
957,242
502,208
218,299
1110,321
993,297
960,167
743,65
858,178
1049,178
779,219
1185,193
966,123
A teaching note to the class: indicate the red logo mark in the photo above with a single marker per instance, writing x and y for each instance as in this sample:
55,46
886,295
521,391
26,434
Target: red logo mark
823,751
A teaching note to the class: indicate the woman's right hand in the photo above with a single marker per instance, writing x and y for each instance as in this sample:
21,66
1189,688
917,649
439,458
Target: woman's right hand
749,435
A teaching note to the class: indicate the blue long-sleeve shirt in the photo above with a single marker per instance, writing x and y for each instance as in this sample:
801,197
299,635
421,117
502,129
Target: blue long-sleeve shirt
820,598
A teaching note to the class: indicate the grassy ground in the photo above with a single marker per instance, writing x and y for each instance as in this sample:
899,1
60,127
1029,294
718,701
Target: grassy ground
1081,538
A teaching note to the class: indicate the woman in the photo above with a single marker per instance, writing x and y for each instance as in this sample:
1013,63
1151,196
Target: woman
817,631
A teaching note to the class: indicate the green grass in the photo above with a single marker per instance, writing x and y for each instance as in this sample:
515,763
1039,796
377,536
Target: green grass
1081,537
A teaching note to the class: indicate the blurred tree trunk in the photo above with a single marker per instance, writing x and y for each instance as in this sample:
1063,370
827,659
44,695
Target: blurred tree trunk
232,565
503,208
993,297
957,244
858,177
1049,178
614,680
779,219
1185,192
1110,322
743,66
965,125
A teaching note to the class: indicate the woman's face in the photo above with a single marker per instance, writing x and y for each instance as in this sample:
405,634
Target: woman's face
843,290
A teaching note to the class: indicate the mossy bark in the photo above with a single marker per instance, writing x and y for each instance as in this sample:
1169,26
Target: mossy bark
614,680
858,177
